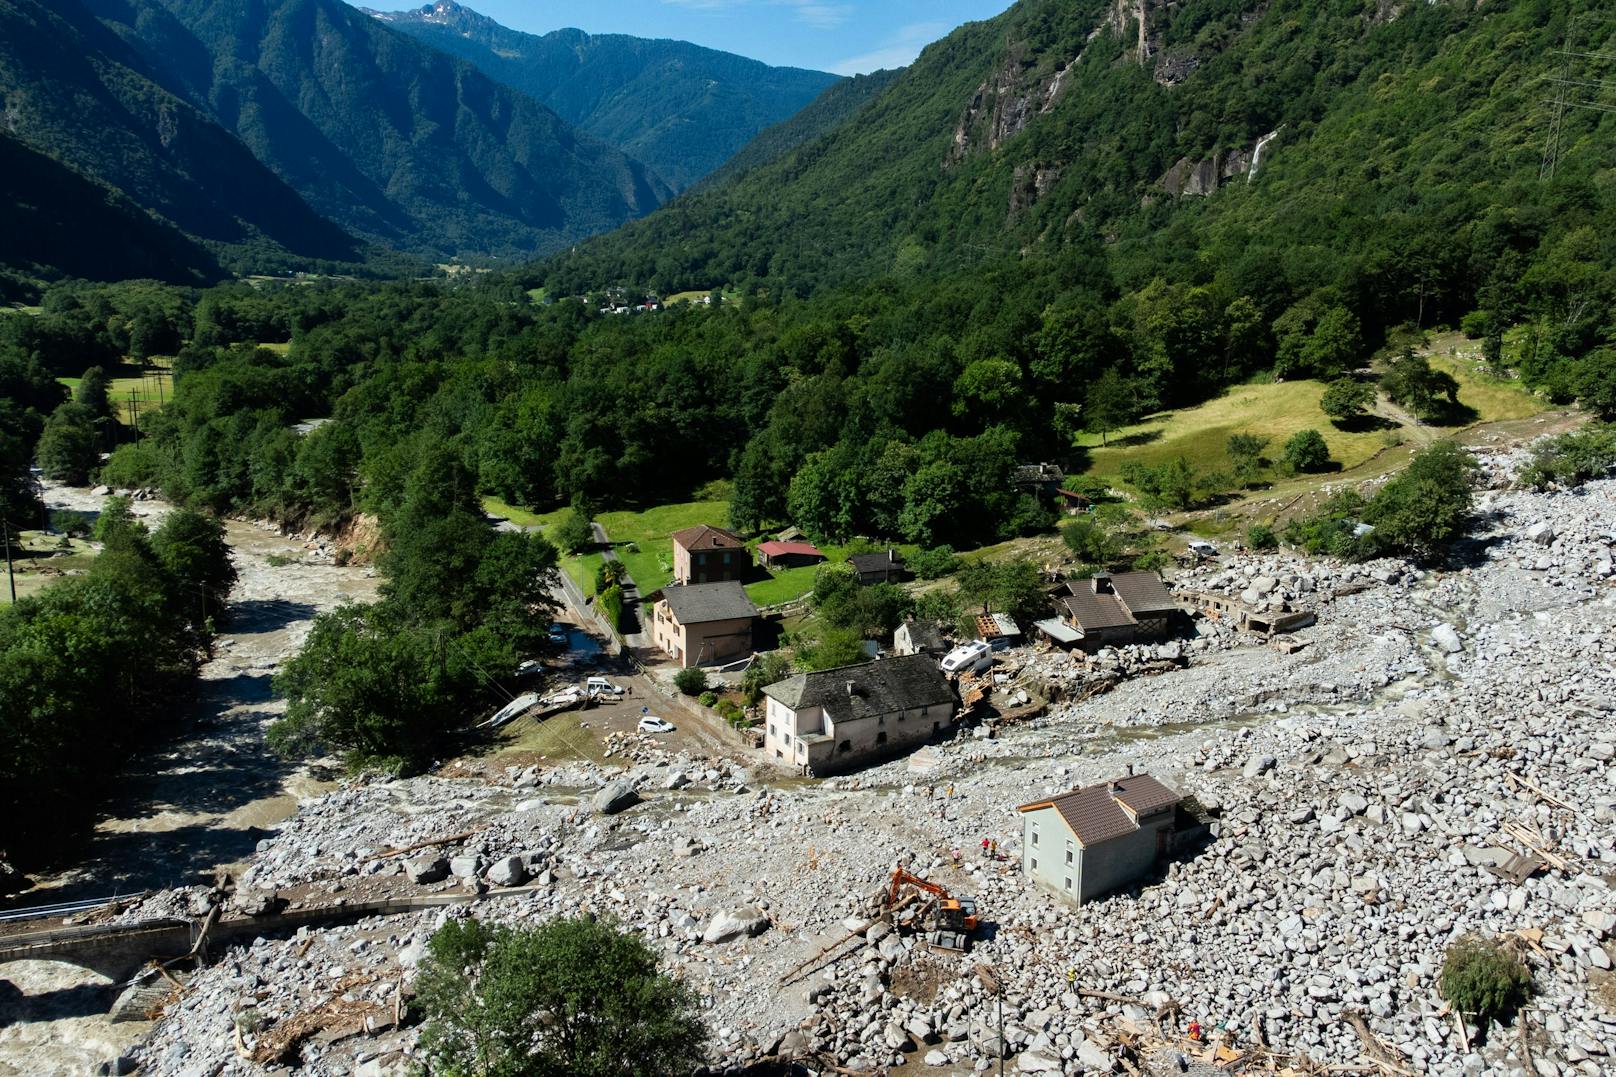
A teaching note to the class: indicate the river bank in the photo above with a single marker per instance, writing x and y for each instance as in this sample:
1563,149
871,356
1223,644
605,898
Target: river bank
194,804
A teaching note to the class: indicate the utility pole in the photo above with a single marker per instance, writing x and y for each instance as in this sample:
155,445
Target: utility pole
990,980
11,577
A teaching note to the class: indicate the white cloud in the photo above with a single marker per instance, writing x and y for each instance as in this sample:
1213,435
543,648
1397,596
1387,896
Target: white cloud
899,50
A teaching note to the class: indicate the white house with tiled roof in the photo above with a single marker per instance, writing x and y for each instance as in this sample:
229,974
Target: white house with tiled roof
1093,840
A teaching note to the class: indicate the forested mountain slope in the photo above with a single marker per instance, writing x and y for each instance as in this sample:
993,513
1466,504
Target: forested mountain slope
393,140
74,94
60,223
830,109
1064,124
681,109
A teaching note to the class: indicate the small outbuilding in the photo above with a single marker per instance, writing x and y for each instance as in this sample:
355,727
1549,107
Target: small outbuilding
918,637
778,554
885,567
1096,839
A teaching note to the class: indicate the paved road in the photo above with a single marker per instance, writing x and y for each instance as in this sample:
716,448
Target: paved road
636,638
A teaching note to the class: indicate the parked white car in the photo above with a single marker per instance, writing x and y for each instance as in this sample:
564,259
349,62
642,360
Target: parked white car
652,724
603,686
1202,548
972,657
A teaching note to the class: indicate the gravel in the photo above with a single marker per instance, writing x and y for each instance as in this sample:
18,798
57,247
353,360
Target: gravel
1360,788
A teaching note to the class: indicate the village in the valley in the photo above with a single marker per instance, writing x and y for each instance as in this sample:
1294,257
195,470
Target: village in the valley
1221,818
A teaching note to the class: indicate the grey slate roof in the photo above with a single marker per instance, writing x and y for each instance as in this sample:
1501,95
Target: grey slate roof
1092,611
1143,592
698,603
876,562
883,687
1097,813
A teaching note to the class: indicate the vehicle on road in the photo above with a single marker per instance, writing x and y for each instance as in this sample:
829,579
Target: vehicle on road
652,724
558,634
602,686
1202,549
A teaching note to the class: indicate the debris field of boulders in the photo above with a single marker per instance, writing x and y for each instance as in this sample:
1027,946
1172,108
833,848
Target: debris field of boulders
1366,792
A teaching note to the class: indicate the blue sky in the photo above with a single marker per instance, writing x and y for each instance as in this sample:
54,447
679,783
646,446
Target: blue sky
844,36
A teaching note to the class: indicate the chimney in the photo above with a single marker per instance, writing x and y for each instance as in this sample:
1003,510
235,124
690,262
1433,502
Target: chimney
852,688
1101,583
892,556
1113,787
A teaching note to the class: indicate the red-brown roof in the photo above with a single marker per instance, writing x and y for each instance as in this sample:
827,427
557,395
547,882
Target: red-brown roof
707,537
1101,813
773,548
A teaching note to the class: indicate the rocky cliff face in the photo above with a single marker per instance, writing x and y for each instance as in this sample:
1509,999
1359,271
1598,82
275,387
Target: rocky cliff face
1195,178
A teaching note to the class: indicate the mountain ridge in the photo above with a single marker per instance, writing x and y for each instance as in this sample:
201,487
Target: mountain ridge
681,108
397,142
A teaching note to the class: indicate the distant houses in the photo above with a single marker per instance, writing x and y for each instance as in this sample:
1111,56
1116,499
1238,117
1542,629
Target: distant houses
707,554
1091,841
703,624
838,719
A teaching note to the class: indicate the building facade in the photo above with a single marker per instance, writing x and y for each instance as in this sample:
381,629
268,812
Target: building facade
706,554
1097,839
840,719
706,624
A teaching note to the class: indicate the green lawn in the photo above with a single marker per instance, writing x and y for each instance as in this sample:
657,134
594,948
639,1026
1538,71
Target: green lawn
642,539
1278,410
151,387
48,563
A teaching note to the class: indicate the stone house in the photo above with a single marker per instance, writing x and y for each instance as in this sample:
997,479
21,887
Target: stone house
918,637
886,567
706,554
1091,841
1123,608
703,624
839,719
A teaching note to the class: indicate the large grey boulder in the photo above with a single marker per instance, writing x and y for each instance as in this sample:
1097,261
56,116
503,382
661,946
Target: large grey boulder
426,869
507,871
1445,637
733,924
616,797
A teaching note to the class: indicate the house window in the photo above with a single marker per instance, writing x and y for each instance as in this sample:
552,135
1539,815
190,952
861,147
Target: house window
772,731
1035,835
1068,852
1068,882
881,738
1035,863
778,754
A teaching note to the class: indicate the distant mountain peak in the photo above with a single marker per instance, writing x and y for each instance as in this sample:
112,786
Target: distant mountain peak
682,109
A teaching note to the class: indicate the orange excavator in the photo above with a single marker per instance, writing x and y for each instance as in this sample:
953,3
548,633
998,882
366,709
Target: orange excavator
952,919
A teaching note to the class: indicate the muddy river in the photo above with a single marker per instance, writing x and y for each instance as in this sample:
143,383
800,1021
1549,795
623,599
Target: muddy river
192,805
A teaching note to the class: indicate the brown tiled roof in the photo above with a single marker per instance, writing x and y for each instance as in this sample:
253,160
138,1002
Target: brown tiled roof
707,537
1092,611
1143,592
1096,814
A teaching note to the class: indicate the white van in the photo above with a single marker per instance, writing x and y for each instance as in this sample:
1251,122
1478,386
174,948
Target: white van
972,657
602,686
